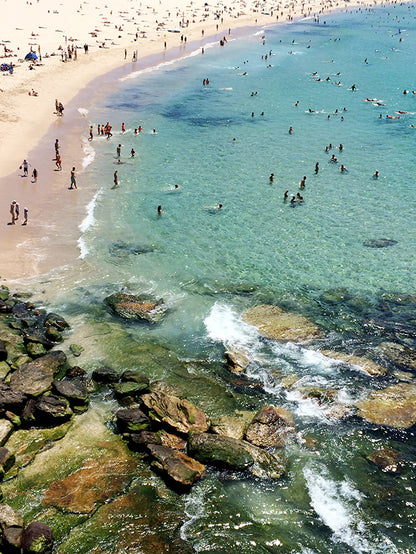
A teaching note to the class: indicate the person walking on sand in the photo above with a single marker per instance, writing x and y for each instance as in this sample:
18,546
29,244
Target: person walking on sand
35,175
16,210
115,179
12,212
58,162
25,215
73,179
91,133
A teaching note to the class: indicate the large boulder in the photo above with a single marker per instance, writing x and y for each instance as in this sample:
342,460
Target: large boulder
179,468
236,360
387,459
131,306
56,321
399,354
272,426
365,364
105,375
37,537
178,413
35,378
218,450
236,455
394,406
274,323
74,390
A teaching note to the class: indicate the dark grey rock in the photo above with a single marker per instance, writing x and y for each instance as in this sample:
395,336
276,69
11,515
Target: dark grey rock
10,399
105,375
37,537
132,420
50,410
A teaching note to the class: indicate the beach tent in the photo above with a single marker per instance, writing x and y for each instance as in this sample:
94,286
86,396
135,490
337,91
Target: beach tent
31,56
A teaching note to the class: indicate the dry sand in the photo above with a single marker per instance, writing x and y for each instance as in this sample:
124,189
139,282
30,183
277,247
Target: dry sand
113,31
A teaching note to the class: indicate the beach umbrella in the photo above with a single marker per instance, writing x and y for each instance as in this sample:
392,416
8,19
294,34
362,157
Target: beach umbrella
31,56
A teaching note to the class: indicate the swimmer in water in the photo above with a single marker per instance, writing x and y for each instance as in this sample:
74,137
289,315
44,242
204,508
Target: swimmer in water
271,178
218,207
343,168
290,130
376,174
302,183
316,167
286,194
159,210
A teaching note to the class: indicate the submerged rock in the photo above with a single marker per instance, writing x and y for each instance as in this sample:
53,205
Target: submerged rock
233,427
387,459
274,323
399,354
122,248
219,450
271,427
379,243
365,364
176,465
178,413
131,306
36,377
394,406
105,375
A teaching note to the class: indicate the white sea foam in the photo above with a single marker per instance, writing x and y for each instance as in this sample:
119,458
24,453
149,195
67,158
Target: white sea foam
83,111
87,222
163,65
224,325
89,152
337,503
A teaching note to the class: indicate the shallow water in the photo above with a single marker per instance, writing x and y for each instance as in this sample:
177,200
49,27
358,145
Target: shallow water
210,265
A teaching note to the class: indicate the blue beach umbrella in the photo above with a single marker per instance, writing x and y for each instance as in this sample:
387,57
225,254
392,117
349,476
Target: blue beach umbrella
31,56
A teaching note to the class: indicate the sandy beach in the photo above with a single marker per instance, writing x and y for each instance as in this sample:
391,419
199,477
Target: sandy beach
74,45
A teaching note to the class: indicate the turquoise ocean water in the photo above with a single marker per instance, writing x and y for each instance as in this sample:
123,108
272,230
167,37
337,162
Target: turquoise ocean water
313,258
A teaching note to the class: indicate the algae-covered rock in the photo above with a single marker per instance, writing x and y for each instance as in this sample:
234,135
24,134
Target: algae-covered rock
96,482
56,321
387,459
219,450
175,412
36,377
394,406
130,388
35,349
4,370
37,537
52,334
234,427
399,354
365,364
267,465
131,306
73,390
272,426
132,420
135,376
3,351
177,466
50,410
76,349
274,323
105,375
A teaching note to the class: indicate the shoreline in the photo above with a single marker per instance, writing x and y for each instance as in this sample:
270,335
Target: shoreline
56,247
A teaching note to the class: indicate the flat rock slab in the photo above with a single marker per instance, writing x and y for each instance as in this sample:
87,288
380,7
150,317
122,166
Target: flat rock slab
178,413
131,306
36,377
367,365
274,323
394,406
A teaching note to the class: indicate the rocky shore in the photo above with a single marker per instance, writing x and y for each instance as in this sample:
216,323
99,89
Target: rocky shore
42,395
